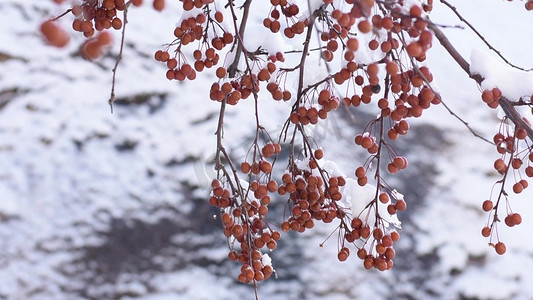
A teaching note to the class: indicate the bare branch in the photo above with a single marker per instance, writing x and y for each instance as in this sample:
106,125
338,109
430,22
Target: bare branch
233,68
504,102
454,9
304,52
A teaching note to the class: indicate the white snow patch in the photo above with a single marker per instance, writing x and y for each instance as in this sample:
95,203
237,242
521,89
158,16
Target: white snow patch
482,285
513,83
358,197
452,257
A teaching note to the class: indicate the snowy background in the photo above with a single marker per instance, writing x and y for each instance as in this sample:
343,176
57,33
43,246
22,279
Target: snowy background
96,205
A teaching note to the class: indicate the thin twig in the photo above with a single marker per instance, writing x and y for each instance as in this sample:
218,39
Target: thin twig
61,15
462,121
454,9
119,58
219,134
504,102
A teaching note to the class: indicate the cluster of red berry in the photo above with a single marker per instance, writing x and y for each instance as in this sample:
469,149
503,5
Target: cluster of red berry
289,11
244,222
190,4
310,198
399,40
250,236
492,97
310,115
382,259
91,17
511,145
234,90
313,195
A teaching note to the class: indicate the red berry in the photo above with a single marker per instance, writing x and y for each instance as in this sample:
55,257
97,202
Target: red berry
500,248
400,205
342,255
516,218
487,205
415,11
485,231
54,34
159,5
517,188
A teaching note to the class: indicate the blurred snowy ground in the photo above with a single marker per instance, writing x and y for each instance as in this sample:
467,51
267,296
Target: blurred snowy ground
102,206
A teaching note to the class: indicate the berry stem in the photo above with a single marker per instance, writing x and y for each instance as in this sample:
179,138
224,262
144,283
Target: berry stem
61,15
119,57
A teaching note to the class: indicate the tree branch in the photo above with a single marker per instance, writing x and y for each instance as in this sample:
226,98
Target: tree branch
307,42
233,68
504,102
454,9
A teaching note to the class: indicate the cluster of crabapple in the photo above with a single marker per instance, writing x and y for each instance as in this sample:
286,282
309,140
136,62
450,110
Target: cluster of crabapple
508,144
260,187
314,196
289,11
310,198
244,224
376,240
277,93
399,40
188,31
376,237
368,142
99,15
383,254
235,90
89,11
399,128
492,97
411,87
327,102
241,88
340,29
412,94
93,15
397,163
191,4
176,69
243,217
